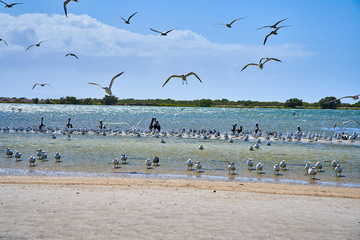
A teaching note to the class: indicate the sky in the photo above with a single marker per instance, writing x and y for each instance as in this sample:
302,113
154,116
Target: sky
318,49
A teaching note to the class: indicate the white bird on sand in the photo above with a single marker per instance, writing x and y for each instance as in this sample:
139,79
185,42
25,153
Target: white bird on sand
65,3
156,161
198,166
148,163
276,169
9,152
18,156
318,166
338,170
283,165
312,172
307,166
231,167
123,158
250,163
32,161
261,64
183,78
115,162
57,157
189,164
229,24
108,89
259,167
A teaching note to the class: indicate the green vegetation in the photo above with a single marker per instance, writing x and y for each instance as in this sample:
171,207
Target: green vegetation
112,100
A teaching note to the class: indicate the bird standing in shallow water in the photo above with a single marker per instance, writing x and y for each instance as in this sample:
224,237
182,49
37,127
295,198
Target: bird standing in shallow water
183,77
189,164
108,89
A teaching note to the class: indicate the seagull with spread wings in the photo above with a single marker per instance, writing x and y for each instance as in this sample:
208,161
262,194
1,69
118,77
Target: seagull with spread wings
273,33
65,3
229,24
356,97
33,45
128,21
183,77
4,41
261,64
272,26
162,33
108,89
71,54
10,5
42,85
345,122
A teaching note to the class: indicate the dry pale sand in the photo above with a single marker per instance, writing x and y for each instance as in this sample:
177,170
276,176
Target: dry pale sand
139,208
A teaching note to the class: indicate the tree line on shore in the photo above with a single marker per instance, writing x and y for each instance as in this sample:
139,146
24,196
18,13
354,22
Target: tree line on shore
324,103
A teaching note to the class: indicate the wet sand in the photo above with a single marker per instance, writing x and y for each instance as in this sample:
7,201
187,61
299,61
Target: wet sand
140,208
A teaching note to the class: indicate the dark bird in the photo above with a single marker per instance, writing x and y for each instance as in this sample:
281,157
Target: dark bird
108,89
261,64
32,45
10,5
273,26
162,33
273,33
41,123
71,54
356,97
128,21
3,41
65,3
229,24
42,85
183,77
345,122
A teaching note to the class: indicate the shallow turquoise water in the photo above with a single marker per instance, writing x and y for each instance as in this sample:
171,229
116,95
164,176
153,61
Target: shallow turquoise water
92,154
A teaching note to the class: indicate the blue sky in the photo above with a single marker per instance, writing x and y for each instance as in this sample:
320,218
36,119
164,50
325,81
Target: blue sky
319,50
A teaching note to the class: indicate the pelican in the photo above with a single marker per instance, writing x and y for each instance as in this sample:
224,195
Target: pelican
273,33
189,164
148,163
42,85
183,77
356,97
18,156
162,33
108,89
272,26
229,24
318,166
115,162
10,5
33,45
345,122
312,172
250,163
231,167
38,154
276,169
201,147
338,170
198,166
4,41
261,64
57,157
32,161
9,152
65,3
128,21
259,167
71,54
123,158
156,161
283,165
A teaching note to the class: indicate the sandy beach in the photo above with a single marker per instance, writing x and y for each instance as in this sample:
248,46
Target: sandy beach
140,208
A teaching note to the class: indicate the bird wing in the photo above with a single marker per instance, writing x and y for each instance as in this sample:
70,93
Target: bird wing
169,31
347,97
3,2
280,21
112,80
268,59
353,121
170,78
75,56
96,84
337,123
263,27
267,37
15,4
30,47
4,42
279,28
123,19
48,85
262,59
131,16
220,24
250,65
155,30
35,85
65,3
41,42
236,20
192,73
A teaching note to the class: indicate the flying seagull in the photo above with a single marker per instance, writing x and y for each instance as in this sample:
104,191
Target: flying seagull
356,97
273,33
162,33
32,45
261,64
65,3
10,5
273,26
229,24
71,54
183,77
128,21
108,89
3,41
41,84
345,122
